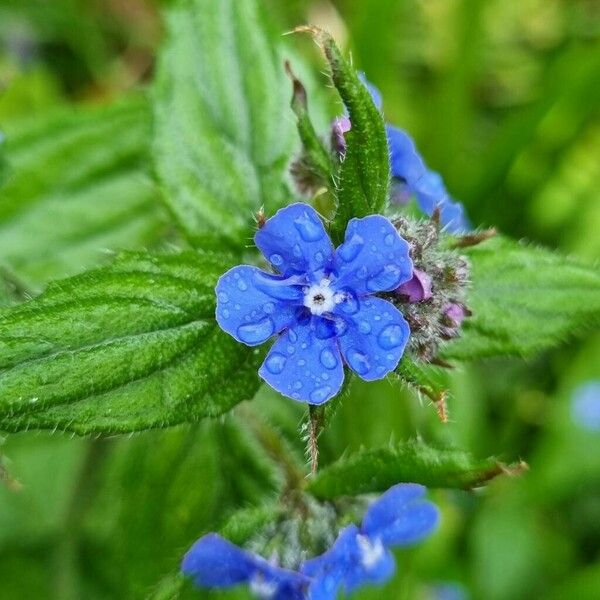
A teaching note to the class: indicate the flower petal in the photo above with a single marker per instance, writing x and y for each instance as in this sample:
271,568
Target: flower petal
373,257
406,162
294,240
253,305
214,562
401,516
305,363
375,339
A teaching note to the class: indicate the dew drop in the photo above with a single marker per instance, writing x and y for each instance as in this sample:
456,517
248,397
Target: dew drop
362,273
225,313
237,307
292,336
319,258
391,336
328,359
297,384
350,304
364,327
320,394
275,363
297,251
358,361
349,250
387,278
290,349
310,231
389,239
269,308
242,285
276,259
223,297
254,333
301,362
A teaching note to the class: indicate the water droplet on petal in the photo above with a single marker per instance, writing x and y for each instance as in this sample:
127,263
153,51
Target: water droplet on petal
362,273
269,308
319,258
349,305
391,336
389,239
328,359
301,362
225,313
292,336
297,384
358,361
275,363
310,231
242,285
254,333
237,307
223,297
276,259
320,394
364,327
349,250
387,278
291,349
297,251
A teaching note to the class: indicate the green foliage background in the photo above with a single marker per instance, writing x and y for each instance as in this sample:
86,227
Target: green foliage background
503,99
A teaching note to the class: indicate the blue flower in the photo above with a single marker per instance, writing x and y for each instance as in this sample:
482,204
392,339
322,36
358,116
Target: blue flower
585,406
411,177
213,562
362,555
320,304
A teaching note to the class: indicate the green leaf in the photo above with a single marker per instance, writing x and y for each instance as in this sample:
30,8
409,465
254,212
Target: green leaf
123,348
223,129
365,172
377,470
77,186
525,299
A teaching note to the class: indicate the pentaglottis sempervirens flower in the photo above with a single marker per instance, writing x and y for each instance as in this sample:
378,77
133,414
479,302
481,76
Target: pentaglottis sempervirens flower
411,176
361,555
321,302
216,563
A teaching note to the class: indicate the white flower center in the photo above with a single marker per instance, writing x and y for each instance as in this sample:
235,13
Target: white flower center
261,588
371,552
320,298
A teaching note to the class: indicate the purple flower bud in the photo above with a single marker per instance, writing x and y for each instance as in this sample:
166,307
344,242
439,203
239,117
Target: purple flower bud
339,127
456,314
417,289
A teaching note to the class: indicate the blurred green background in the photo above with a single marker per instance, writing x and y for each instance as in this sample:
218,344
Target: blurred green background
503,98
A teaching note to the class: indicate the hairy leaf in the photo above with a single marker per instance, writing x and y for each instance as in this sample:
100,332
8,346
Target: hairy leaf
123,348
525,299
223,127
77,186
378,469
365,172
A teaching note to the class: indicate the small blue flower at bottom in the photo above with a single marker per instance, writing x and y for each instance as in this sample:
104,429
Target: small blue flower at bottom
360,556
216,563
400,517
321,305
585,405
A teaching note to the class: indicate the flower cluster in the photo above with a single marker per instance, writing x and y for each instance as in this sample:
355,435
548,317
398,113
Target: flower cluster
359,556
411,176
434,299
321,302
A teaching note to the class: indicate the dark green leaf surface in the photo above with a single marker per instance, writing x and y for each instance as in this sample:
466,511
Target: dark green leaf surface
77,186
377,470
365,172
124,348
224,130
525,299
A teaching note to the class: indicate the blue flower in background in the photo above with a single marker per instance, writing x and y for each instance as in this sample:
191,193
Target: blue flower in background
400,517
360,556
585,406
215,563
321,304
410,173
